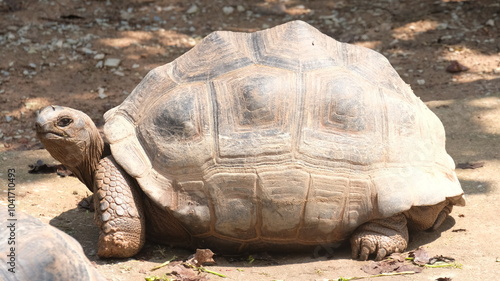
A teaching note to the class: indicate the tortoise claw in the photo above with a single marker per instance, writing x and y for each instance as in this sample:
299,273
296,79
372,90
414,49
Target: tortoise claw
380,237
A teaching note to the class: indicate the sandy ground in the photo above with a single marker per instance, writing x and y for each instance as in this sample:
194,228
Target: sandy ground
55,52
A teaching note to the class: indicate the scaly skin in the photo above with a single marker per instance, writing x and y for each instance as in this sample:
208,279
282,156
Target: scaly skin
381,237
119,213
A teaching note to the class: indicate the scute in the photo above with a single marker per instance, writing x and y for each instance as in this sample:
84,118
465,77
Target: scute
282,120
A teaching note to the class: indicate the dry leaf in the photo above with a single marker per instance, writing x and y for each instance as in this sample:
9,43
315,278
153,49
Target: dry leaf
420,256
455,67
41,168
441,259
398,257
183,273
201,257
388,266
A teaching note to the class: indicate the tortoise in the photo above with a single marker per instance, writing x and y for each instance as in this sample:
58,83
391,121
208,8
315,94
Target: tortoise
280,139
39,251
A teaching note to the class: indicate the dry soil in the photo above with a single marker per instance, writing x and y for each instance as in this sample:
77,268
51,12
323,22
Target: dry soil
62,51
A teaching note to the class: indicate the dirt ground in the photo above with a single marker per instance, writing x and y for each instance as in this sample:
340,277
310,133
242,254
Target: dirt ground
58,52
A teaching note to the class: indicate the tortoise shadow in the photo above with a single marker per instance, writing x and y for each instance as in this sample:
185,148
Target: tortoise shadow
421,238
79,223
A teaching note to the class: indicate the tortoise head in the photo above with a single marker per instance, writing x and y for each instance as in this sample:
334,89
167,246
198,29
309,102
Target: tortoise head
72,138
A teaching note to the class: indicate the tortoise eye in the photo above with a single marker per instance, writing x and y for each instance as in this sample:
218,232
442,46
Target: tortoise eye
64,122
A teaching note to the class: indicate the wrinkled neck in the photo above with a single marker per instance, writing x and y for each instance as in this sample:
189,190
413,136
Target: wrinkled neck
91,154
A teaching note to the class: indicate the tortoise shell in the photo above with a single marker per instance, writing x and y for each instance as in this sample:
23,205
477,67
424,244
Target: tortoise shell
280,134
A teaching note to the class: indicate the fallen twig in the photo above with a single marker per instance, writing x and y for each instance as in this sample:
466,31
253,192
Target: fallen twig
163,264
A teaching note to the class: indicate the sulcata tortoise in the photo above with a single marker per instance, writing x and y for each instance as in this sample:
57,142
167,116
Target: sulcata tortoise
279,139
40,252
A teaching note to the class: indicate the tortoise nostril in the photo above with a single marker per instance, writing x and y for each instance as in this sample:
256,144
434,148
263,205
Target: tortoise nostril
38,126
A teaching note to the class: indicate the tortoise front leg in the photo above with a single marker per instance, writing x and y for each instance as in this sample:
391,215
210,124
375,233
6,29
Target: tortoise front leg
381,237
119,213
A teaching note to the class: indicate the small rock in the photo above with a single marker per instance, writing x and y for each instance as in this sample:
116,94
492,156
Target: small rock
124,15
227,10
240,8
32,65
420,82
135,65
490,22
394,42
8,118
99,56
193,9
496,70
59,43
99,64
72,41
119,73
101,93
442,26
87,51
112,62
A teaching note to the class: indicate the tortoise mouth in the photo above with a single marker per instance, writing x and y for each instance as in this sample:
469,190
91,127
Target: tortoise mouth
44,133
49,135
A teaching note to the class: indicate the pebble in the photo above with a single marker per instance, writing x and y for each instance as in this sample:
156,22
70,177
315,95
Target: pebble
8,118
124,15
99,64
490,22
87,51
227,10
72,41
240,8
442,26
193,9
420,82
112,62
99,56
101,93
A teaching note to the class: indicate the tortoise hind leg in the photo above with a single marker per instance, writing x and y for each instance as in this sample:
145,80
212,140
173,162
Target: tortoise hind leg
381,237
119,211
